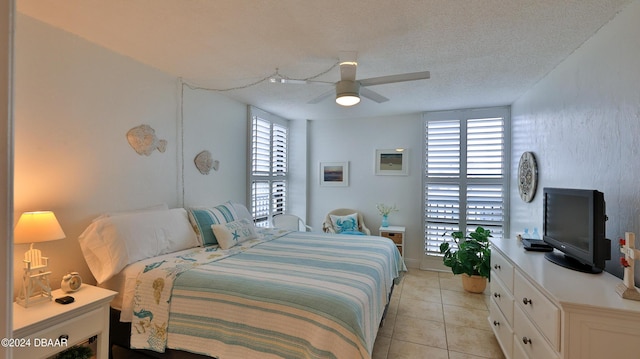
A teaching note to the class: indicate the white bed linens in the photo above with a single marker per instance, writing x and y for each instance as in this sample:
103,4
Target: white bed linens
302,295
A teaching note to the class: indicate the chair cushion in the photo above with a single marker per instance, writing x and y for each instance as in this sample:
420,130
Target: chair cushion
348,223
358,233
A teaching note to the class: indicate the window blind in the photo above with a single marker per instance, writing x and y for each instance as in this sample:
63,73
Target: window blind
466,174
268,169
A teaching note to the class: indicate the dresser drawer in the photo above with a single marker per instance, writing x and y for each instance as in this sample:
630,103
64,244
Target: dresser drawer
501,328
394,236
518,350
43,343
503,269
540,309
502,298
529,339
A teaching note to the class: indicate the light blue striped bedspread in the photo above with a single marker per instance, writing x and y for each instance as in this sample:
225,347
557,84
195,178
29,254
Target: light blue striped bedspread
303,295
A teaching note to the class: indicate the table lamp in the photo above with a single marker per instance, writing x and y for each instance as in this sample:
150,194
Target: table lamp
36,227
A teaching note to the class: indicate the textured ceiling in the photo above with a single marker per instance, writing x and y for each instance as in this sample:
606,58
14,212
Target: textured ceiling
479,52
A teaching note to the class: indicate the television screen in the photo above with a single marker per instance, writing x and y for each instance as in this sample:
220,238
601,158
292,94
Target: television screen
574,224
568,220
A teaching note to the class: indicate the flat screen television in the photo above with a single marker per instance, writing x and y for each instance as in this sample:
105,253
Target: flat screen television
574,224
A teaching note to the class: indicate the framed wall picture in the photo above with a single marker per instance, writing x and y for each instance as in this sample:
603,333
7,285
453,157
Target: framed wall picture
334,174
392,162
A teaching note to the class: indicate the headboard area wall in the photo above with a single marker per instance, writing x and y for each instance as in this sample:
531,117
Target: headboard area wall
75,101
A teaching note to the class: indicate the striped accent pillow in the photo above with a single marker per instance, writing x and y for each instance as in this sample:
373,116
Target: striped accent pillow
203,218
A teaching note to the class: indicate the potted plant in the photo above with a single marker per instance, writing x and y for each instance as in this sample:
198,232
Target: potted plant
76,352
384,211
471,258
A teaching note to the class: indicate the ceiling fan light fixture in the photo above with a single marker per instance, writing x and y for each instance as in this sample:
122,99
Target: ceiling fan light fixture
347,100
349,63
347,93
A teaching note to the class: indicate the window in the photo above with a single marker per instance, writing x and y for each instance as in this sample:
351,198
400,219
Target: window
268,178
466,173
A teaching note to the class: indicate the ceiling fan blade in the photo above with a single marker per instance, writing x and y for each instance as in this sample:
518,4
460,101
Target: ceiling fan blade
323,96
348,65
395,78
372,95
294,82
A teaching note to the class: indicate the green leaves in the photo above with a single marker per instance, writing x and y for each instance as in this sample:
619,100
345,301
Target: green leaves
473,255
481,235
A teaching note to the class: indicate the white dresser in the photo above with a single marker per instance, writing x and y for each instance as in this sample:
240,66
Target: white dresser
539,310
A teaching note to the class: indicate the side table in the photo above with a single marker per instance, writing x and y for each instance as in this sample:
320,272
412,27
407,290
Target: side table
396,234
47,328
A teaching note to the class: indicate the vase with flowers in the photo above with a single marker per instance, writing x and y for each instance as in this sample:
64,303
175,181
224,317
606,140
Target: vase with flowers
384,211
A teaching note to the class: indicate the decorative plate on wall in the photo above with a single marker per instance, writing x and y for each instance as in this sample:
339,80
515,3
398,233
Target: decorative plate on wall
527,176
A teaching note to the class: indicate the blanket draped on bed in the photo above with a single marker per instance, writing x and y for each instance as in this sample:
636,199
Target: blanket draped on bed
302,295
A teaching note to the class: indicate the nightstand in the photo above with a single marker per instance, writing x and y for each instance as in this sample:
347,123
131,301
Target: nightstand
40,330
396,234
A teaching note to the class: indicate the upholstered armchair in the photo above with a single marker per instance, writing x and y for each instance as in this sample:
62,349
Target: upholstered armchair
345,220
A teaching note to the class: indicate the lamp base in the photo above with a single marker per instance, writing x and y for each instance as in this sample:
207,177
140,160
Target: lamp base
35,287
35,282
34,299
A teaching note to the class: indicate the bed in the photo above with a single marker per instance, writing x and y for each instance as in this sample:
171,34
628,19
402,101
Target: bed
270,294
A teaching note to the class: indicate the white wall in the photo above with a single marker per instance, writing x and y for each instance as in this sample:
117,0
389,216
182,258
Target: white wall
582,121
217,124
74,103
7,13
298,169
355,141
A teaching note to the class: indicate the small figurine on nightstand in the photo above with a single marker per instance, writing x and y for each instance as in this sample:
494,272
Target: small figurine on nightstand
627,288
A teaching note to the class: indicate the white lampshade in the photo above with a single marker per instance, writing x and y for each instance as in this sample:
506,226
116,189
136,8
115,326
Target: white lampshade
347,93
37,227
347,100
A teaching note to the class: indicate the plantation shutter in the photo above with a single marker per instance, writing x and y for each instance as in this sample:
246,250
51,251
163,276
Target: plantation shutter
268,167
466,173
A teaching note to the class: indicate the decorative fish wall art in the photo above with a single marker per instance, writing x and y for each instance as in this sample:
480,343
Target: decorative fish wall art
205,162
144,141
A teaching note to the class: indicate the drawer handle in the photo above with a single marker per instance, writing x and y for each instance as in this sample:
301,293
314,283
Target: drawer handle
496,323
496,295
526,301
497,266
526,340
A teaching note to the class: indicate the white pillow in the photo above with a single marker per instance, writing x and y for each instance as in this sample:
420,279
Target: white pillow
231,233
242,211
111,243
157,207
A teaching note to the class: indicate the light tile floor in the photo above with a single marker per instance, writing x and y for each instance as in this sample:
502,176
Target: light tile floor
430,317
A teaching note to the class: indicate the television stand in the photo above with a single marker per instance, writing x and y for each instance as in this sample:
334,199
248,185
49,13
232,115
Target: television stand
561,259
541,310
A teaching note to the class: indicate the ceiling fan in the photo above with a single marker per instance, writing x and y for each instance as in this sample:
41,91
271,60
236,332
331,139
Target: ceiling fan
348,90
